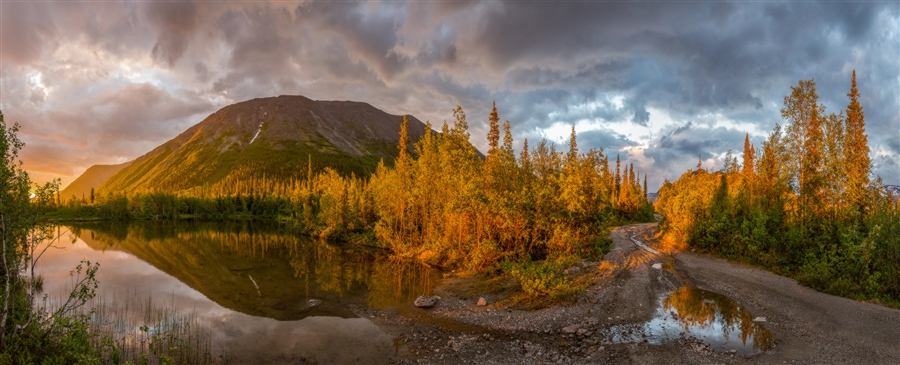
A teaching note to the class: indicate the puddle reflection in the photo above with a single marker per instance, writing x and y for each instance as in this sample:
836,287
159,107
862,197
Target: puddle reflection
710,317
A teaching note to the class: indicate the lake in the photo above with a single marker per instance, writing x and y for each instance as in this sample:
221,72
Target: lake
250,282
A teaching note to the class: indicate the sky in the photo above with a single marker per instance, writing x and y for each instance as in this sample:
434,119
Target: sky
657,82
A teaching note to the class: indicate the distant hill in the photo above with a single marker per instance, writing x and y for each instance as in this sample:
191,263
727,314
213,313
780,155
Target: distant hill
93,177
268,138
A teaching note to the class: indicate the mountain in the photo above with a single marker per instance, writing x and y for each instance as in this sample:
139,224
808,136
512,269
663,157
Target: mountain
268,138
93,177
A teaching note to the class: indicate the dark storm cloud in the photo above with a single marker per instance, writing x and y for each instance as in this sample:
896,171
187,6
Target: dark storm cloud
633,72
175,23
605,139
689,142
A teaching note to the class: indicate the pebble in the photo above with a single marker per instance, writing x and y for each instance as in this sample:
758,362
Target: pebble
482,302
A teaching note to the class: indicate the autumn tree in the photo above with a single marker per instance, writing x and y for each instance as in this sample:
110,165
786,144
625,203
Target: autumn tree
493,136
749,156
806,142
856,150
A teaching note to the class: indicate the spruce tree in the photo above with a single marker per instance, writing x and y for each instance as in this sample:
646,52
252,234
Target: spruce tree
856,149
618,187
526,158
572,157
749,156
645,186
493,132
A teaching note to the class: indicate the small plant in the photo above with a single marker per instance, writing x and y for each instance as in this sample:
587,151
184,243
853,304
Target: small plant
543,278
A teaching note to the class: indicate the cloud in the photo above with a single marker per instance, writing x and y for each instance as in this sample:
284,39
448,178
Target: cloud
630,74
175,23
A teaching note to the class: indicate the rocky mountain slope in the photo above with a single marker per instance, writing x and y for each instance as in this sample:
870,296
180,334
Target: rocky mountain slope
268,138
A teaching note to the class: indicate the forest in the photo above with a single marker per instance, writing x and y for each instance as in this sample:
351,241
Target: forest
441,203
803,205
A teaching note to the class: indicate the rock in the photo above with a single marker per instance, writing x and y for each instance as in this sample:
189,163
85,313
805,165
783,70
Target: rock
759,319
313,303
482,302
424,301
531,349
570,329
657,266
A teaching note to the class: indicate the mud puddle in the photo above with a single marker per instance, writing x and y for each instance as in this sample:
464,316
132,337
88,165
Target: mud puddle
715,319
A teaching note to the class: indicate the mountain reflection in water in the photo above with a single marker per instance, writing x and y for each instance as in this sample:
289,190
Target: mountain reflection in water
263,270
249,282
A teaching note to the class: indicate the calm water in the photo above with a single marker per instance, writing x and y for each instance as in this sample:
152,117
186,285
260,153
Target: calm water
250,283
713,318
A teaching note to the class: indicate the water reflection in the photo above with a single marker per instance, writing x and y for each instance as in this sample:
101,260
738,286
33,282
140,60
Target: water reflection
717,319
261,269
713,318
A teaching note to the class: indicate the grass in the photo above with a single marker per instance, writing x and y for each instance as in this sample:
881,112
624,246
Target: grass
138,330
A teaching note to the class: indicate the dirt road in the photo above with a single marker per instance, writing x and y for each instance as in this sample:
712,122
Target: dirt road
648,307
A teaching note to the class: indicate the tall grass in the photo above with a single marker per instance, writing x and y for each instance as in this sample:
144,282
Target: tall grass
135,329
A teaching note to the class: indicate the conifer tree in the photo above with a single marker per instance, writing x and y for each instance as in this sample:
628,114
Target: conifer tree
749,156
572,157
631,180
856,149
618,186
507,138
403,143
526,157
493,132
645,186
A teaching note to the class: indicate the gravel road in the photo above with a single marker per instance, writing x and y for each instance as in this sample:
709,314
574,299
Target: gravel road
719,313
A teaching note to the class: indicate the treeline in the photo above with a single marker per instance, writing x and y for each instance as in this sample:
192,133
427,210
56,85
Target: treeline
804,206
446,205
441,203
161,205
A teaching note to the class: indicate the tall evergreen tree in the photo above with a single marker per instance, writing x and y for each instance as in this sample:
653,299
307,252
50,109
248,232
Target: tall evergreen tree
749,156
493,132
856,149
403,144
618,187
645,186
572,156
507,138
526,157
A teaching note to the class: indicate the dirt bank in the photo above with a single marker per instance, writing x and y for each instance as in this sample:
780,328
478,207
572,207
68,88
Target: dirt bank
617,320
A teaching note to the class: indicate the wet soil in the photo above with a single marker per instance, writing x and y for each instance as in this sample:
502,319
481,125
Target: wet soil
647,305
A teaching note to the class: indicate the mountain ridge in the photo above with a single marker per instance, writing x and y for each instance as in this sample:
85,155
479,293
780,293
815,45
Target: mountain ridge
91,178
272,137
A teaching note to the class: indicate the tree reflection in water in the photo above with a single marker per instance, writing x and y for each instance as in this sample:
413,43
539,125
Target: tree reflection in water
263,269
696,309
